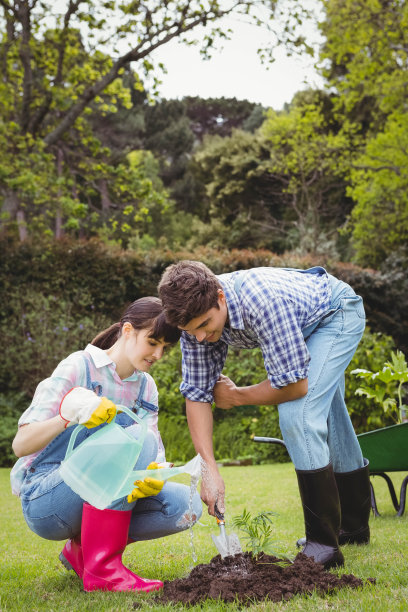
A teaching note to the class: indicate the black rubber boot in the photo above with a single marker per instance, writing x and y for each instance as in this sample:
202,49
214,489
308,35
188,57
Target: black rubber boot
355,502
321,509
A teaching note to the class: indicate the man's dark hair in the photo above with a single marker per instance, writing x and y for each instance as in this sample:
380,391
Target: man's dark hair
188,289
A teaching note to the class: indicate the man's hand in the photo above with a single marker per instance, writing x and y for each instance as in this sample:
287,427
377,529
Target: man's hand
147,487
212,489
224,393
83,406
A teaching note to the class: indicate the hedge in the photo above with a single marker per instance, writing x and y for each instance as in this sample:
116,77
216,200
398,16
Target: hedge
111,278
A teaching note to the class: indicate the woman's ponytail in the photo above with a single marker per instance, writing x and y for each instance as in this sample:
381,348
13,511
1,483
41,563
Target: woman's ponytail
107,338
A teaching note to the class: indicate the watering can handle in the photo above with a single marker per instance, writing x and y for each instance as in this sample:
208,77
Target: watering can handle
78,428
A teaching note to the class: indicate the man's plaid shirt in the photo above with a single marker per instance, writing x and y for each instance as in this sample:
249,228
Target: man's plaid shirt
269,309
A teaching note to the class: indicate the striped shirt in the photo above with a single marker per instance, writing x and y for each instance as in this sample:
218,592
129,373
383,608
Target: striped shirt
267,308
71,372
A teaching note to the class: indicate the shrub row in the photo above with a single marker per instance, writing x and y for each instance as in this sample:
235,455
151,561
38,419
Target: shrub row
110,278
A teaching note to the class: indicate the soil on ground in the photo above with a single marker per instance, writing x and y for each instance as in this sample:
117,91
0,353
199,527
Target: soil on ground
245,578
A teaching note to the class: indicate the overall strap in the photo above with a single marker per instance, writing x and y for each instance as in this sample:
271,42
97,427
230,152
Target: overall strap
142,403
90,384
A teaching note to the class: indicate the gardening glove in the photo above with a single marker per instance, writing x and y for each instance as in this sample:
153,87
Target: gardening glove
148,486
83,406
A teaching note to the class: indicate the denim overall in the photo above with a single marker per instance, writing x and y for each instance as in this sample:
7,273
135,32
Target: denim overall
53,511
316,428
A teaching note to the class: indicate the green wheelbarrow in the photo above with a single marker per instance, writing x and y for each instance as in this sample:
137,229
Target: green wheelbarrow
387,451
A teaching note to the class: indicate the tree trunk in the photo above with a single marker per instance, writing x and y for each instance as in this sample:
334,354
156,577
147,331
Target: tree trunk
58,212
105,199
12,213
21,225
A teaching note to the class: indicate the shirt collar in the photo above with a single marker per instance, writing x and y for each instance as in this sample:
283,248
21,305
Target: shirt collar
102,359
236,320
99,356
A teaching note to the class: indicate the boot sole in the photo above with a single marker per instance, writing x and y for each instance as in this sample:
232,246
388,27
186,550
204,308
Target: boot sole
66,563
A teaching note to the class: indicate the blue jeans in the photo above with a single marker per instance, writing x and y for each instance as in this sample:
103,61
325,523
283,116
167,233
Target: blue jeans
53,511
317,429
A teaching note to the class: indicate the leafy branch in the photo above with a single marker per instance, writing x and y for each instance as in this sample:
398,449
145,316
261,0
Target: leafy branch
386,386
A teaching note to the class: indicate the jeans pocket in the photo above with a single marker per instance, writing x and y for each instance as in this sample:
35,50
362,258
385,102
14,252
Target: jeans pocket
50,527
355,303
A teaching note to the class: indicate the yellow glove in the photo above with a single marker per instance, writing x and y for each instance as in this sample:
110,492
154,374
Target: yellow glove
103,414
81,405
147,487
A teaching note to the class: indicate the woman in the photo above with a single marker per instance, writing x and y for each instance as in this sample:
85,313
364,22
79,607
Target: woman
84,389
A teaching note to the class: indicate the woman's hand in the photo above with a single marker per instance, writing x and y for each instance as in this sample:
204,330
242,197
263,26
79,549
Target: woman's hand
147,487
83,406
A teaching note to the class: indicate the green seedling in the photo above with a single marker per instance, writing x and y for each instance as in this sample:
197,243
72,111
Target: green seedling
258,533
386,386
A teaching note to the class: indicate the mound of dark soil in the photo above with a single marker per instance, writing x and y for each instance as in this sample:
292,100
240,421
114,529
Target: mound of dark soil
244,577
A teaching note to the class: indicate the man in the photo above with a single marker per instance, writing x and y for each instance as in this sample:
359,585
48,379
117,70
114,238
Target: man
308,325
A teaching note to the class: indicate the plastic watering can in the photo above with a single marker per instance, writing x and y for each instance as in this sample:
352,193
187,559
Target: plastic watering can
101,468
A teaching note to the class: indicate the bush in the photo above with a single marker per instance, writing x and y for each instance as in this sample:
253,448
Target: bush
12,405
371,354
113,278
41,331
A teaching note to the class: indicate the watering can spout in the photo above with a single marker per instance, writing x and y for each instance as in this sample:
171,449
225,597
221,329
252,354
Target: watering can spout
192,467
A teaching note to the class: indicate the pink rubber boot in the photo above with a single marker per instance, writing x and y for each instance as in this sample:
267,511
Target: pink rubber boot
104,539
71,556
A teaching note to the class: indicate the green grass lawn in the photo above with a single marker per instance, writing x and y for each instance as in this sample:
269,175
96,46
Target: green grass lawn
33,579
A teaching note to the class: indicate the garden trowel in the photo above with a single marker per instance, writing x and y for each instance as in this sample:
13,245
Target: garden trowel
227,545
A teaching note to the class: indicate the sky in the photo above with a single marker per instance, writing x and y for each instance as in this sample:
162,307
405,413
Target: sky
236,71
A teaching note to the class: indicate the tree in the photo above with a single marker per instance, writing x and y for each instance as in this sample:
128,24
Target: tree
379,186
305,159
241,194
283,186
365,54
366,62
59,68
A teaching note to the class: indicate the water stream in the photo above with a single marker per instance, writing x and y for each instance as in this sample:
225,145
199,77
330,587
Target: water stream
193,488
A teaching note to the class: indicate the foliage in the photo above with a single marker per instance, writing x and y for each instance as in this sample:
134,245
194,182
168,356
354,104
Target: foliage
304,159
364,59
385,386
385,295
281,186
12,405
172,129
65,65
371,353
176,437
44,329
365,53
379,220
258,530
239,194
